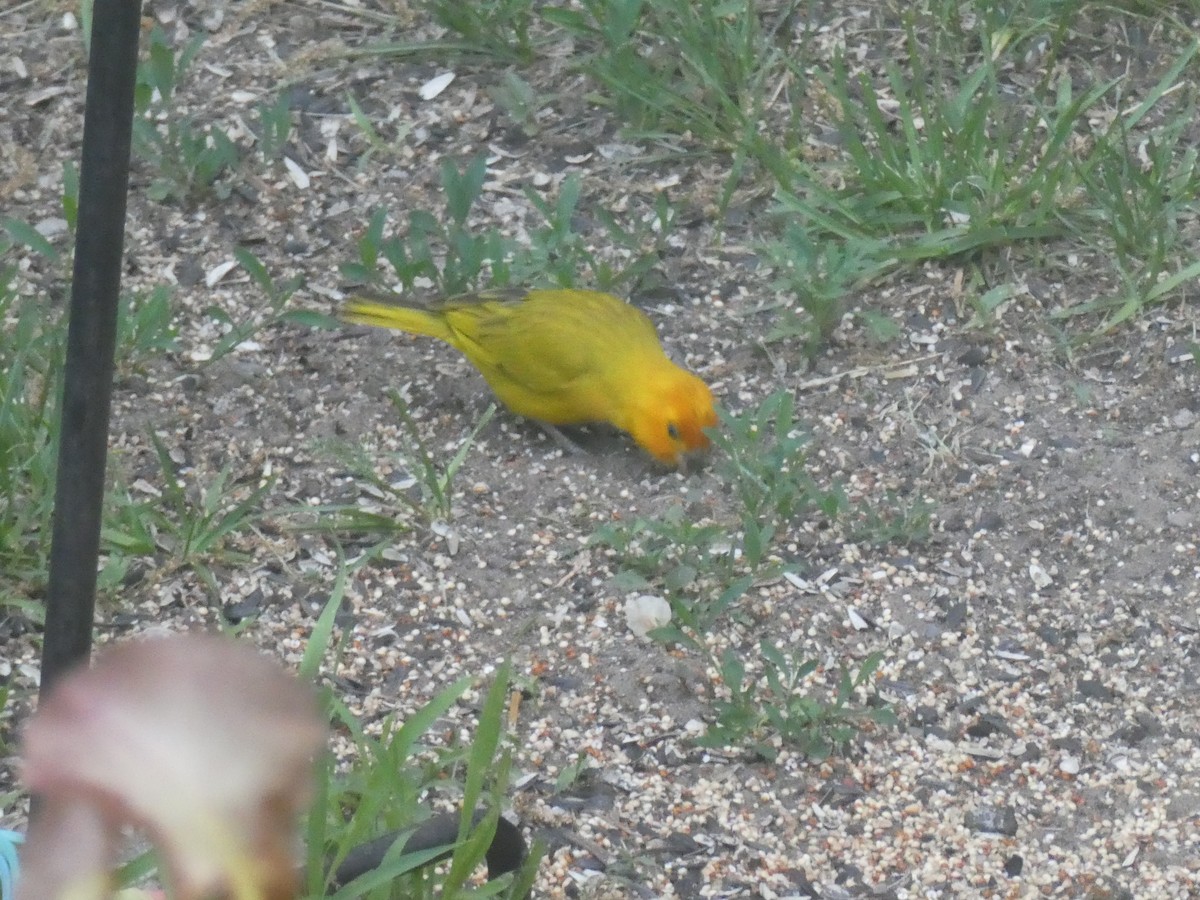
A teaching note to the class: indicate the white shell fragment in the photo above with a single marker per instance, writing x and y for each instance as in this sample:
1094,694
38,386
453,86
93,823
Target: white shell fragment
435,85
219,271
449,534
645,612
1039,576
298,176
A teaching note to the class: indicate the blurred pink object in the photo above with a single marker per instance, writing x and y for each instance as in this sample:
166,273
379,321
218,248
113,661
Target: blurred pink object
202,741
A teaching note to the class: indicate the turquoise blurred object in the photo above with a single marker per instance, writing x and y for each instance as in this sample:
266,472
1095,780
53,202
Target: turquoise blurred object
9,866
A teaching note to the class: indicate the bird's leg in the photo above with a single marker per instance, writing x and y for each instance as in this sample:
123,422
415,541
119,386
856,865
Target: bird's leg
565,443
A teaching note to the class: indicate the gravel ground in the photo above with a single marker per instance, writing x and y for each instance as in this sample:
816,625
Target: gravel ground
1040,647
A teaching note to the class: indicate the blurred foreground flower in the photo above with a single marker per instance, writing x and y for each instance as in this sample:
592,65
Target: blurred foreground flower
202,741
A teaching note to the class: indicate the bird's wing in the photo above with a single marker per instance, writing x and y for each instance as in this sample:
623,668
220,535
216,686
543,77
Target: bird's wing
544,351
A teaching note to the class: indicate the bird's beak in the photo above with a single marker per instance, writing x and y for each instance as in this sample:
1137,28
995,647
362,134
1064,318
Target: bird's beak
694,460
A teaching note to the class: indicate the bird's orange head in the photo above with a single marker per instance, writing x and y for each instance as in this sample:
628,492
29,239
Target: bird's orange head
670,419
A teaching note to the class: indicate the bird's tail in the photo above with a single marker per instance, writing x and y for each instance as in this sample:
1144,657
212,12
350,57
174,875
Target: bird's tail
364,311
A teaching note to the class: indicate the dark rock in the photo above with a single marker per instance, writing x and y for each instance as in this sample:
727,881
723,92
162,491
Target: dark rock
680,844
987,725
990,520
1072,745
972,703
993,820
974,356
1092,689
924,716
244,608
1051,635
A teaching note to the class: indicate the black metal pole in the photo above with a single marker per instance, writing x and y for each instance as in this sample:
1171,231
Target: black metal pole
91,336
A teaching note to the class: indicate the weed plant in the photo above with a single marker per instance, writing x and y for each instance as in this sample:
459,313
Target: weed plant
278,295
446,255
32,349
396,770
421,487
187,159
777,708
188,524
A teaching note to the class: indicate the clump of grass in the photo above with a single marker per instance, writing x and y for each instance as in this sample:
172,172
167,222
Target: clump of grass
395,771
421,486
145,329
275,128
446,255
498,28
278,295
32,345
941,165
186,524
698,68
187,159
775,708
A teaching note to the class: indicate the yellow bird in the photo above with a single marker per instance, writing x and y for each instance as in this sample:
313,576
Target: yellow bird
566,357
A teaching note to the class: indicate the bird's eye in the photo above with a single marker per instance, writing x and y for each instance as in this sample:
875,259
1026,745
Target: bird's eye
673,431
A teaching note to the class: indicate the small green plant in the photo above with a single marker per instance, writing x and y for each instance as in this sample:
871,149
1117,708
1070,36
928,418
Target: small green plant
816,274
775,707
761,458
558,253
377,144
387,789
32,347
497,28
447,256
422,486
187,159
278,294
144,328
190,524
275,128
571,773
706,567
436,481
22,233
694,564
898,521
519,100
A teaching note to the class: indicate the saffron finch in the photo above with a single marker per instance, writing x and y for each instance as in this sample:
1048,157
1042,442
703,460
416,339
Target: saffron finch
566,357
